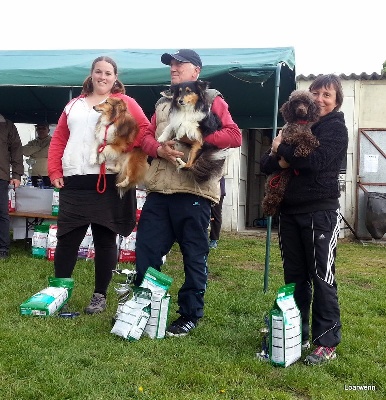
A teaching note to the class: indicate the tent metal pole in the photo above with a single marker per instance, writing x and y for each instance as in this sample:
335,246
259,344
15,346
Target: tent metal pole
269,218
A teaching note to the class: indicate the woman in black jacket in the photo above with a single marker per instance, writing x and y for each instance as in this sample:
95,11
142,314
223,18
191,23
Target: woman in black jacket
309,219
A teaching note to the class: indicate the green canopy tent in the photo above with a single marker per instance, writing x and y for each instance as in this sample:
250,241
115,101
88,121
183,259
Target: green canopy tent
38,84
255,82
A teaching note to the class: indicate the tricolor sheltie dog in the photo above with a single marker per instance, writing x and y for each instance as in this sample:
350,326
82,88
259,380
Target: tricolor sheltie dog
115,134
190,121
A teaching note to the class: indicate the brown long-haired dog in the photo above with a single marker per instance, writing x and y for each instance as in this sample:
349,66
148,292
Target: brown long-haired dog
300,112
190,121
115,135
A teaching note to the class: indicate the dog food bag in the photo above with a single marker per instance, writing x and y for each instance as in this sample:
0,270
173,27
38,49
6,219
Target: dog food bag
285,328
85,244
159,284
55,202
39,241
127,248
51,241
141,197
91,251
133,315
11,198
49,300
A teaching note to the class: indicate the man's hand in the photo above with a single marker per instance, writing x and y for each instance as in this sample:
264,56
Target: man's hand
167,151
15,182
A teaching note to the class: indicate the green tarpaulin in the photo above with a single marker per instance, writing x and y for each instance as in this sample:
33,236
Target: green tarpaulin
36,85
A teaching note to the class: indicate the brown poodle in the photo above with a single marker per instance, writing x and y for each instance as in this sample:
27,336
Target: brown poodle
299,113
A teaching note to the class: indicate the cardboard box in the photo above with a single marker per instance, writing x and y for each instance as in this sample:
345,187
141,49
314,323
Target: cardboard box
17,226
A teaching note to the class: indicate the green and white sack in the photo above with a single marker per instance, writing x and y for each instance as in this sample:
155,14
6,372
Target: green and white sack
133,315
39,241
49,300
159,285
285,328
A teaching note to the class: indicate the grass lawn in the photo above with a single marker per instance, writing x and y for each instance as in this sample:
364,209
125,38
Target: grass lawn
49,358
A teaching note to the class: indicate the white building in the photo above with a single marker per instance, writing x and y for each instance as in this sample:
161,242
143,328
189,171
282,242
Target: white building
364,108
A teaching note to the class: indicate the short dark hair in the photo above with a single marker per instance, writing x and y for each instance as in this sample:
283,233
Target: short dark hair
325,81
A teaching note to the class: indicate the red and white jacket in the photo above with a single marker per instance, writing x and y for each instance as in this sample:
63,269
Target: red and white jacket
70,146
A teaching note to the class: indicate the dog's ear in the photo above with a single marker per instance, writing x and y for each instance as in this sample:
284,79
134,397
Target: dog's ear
202,85
118,107
285,111
122,107
174,88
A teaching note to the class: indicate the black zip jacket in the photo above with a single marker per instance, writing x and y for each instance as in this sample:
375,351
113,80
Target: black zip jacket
314,183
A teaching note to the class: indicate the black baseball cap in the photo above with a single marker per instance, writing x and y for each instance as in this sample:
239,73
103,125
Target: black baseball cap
42,124
182,55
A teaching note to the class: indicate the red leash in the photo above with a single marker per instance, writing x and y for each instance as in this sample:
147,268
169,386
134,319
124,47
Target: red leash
102,170
275,181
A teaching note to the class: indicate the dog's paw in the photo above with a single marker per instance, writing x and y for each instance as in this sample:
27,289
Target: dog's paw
93,159
101,157
113,169
180,163
162,139
124,183
166,135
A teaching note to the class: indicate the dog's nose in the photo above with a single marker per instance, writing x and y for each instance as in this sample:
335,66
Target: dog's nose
181,102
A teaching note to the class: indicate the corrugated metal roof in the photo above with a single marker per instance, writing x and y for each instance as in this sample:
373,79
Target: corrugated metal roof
361,77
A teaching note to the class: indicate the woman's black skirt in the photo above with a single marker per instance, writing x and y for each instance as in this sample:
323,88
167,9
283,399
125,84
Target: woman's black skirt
81,204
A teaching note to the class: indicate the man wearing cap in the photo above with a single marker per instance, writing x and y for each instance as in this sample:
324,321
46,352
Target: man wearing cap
176,207
37,149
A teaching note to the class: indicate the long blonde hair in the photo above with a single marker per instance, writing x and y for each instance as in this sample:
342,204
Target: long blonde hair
88,87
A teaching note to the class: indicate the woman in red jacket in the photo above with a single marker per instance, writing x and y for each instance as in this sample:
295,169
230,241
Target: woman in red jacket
80,203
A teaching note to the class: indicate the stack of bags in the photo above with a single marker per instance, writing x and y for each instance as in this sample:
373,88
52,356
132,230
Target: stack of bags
147,311
44,242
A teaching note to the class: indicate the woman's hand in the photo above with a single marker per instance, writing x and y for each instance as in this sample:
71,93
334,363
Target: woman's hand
58,183
276,142
283,163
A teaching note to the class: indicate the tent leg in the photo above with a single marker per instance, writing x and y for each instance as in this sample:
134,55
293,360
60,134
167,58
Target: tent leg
267,253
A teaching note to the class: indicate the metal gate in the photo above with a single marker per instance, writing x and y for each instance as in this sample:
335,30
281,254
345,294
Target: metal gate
371,173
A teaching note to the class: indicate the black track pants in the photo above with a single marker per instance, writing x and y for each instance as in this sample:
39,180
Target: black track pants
308,247
181,217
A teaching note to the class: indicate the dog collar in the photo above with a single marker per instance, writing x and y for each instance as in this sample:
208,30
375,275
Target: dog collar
302,122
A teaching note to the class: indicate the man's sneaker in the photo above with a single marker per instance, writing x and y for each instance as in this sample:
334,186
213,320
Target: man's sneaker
213,244
320,355
180,327
305,345
97,304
